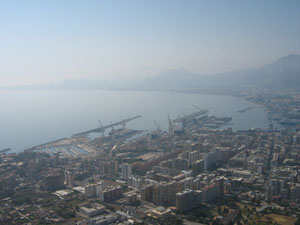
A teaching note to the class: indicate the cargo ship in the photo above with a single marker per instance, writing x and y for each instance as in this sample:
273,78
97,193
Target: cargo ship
289,121
5,150
246,109
226,119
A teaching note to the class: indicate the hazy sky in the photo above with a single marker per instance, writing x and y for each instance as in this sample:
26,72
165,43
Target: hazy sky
47,41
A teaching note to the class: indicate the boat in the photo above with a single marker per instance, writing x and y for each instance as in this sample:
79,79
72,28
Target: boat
5,150
226,119
289,121
246,109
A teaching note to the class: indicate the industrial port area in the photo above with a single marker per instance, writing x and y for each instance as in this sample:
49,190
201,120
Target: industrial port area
81,145
198,171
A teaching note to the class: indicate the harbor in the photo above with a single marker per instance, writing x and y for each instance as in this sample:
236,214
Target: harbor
80,145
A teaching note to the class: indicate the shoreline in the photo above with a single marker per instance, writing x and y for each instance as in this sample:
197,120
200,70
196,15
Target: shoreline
199,92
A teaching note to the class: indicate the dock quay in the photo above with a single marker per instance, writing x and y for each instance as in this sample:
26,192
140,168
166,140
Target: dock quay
100,129
190,117
47,144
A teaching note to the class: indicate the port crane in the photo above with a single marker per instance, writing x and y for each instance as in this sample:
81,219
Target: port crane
157,126
171,125
123,123
102,128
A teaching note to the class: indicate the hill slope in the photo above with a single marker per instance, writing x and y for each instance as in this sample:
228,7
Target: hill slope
284,73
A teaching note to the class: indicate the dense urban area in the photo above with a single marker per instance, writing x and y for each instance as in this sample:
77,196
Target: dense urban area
196,172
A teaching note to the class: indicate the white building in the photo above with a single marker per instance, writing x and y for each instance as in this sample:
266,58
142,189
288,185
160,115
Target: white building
126,171
211,158
100,186
90,190
69,179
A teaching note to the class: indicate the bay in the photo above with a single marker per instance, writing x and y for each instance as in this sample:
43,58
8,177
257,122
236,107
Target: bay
33,117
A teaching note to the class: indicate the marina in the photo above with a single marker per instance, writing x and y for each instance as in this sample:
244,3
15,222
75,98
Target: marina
79,145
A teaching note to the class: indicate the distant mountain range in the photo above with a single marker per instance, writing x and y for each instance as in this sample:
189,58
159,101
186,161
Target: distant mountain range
282,74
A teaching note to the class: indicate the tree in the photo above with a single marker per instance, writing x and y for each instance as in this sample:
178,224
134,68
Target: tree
216,222
225,210
297,221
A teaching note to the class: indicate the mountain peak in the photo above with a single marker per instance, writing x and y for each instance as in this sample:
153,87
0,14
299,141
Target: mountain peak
293,58
283,73
290,56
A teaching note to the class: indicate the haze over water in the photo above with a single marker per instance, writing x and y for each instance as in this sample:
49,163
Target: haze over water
29,118
48,42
